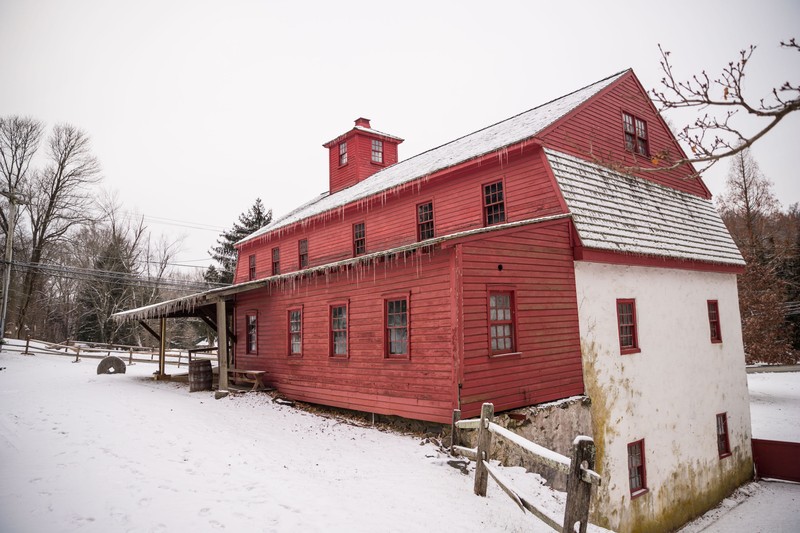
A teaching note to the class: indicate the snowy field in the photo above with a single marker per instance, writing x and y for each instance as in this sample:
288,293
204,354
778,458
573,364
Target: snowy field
775,405
87,452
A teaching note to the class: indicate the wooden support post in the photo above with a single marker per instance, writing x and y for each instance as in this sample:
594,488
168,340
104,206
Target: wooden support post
130,356
162,350
484,449
27,345
579,492
222,347
455,436
77,354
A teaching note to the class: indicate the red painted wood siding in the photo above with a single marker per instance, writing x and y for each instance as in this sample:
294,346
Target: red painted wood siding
391,220
420,387
596,128
537,264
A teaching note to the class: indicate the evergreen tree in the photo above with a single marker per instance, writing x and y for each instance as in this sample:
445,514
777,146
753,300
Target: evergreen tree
224,253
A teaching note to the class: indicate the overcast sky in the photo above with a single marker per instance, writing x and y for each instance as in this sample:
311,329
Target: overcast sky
195,108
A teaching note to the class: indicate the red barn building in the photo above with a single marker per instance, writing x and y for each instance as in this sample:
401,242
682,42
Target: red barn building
508,266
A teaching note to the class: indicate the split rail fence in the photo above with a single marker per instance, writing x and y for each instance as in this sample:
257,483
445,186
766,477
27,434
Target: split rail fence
579,469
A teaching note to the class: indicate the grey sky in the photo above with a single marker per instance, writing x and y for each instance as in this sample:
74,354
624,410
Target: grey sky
195,108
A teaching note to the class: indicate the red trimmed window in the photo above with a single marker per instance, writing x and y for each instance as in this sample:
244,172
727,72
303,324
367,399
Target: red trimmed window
397,327
338,340
359,239
494,210
425,221
342,154
251,333
626,319
637,474
635,130
713,321
276,261
251,269
723,443
377,151
302,253
501,322
295,331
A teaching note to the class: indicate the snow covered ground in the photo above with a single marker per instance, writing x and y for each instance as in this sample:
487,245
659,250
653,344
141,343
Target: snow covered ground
87,452
775,405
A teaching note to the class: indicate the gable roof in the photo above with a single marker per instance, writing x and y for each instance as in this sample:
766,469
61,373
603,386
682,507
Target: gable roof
490,139
621,213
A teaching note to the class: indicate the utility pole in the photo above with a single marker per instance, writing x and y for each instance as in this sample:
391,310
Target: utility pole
12,217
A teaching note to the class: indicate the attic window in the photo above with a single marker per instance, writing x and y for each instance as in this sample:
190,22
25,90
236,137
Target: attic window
494,210
713,321
251,268
302,253
359,239
377,151
342,154
635,130
276,261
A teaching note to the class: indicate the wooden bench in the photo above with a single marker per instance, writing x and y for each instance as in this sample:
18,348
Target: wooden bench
256,377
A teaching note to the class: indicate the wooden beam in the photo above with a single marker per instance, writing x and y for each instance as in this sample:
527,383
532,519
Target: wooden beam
148,328
222,345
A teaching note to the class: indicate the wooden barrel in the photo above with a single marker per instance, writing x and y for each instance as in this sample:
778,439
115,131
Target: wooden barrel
200,375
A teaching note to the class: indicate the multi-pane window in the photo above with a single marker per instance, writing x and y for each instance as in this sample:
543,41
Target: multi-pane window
338,338
359,239
377,151
425,221
723,443
295,332
251,325
635,130
397,327
626,320
501,321
713,321
302,253
342,153
636,467
251,269
276,261
494,210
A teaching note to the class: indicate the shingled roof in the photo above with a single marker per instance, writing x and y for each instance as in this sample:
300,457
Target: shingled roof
487,140
621,213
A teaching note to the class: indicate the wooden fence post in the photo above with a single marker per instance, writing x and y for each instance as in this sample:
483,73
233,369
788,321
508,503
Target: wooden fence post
455,436
579,492
77,354
484,449
27,345
130,356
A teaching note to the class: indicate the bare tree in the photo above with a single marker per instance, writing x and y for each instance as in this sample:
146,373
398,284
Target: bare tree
58,200
19,141
716,135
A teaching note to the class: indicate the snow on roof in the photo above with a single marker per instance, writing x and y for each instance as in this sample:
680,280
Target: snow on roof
621,213
376,132
492,138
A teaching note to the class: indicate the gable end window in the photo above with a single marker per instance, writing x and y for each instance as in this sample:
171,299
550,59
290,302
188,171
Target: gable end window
637,473
338,332
251,269
713,321
626,321
251,333
425,221
377,151
276,261
494,210
359,239
396,310
295,332
635,131
342,154
723,442
501,322
302,253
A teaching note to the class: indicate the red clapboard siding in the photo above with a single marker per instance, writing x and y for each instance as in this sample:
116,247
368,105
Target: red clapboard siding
595,129
422,386
537,264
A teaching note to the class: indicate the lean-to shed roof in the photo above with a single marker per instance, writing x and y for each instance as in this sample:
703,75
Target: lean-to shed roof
621,213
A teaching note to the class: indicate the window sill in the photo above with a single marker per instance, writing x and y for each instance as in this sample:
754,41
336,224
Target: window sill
503,355
628,351
724,455
716,341
398,358
638,493
378,164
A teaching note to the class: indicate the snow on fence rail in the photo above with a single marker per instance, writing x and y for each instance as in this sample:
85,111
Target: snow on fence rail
580,476
77,349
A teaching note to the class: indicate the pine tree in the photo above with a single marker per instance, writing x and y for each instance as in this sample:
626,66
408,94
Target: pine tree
224,253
